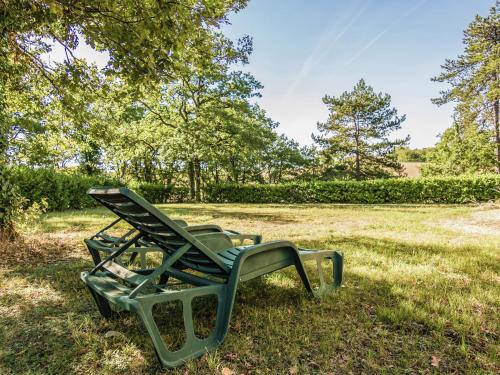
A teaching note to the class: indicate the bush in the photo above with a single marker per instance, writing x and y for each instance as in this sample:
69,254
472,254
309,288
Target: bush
403,190
69,190
61,190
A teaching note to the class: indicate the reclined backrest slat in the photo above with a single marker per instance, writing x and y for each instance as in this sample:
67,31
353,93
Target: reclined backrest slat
112,198
159,228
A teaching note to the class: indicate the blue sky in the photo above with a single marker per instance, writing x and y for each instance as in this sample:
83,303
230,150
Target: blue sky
306,49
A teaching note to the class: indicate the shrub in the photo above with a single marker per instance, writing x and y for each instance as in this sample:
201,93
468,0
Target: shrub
61,190
403,190
69,190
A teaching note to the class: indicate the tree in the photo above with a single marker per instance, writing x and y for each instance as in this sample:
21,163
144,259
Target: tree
202,104
474,79
462,149
147,41
144,39
406,154
355,139
284,160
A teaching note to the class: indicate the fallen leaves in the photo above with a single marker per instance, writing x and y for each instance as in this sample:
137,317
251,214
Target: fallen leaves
110,334
435,360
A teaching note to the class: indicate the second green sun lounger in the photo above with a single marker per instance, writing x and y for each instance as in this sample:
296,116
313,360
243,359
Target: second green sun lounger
104,243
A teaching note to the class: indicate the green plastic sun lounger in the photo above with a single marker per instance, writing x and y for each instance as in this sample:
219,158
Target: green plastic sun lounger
208,265
104,243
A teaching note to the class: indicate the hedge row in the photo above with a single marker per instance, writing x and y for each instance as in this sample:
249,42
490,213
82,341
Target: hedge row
404,190
64,191
68,191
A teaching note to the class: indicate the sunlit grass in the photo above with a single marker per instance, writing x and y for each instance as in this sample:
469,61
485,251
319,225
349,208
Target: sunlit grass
420,281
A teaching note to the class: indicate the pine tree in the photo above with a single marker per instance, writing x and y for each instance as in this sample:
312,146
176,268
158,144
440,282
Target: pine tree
355,139
474,76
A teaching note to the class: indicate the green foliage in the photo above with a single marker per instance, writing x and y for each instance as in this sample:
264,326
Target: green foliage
57,112
60,190
403,190
355,139
55,190
474,85
406,154
27,218
145,40
462,150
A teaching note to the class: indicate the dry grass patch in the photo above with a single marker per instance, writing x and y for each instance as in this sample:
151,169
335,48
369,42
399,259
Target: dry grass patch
419,297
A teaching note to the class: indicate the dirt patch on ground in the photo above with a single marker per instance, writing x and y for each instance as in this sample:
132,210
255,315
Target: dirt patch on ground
41,249
479,222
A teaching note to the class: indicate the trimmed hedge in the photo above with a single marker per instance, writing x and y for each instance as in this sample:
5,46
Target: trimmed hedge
61,190
402,190
69,191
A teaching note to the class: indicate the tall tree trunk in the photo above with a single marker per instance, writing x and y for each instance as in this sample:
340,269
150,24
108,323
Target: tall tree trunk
197,179
497,133
147,172
191,179
216,174
234,171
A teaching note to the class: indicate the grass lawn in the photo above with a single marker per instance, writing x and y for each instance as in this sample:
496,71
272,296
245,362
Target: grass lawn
421,294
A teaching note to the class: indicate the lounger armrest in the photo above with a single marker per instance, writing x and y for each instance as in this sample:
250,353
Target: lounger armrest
207,228
215,241
264,258
307,254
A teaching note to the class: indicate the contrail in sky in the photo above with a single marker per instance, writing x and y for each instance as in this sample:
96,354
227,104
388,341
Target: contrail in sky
380,34
324,45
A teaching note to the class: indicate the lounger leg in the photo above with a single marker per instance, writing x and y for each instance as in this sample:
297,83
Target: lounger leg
338,267
303,276
193,347
337,259
102,305
96,257
163,279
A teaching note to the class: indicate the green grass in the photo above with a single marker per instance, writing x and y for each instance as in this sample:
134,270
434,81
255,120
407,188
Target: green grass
421,294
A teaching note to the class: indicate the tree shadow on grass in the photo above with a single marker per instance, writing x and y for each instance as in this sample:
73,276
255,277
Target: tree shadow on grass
93,219
461,258
366,326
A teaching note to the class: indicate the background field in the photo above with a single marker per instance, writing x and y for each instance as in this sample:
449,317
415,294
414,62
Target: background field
421,294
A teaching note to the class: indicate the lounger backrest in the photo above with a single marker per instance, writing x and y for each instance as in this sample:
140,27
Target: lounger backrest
158,228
